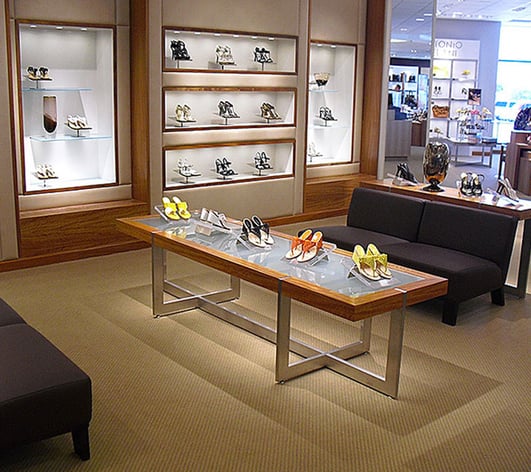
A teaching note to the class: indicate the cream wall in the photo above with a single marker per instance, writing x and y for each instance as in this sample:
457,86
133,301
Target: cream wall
8,233
342,21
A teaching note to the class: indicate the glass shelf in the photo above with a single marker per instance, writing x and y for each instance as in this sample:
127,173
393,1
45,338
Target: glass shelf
44,139
57,89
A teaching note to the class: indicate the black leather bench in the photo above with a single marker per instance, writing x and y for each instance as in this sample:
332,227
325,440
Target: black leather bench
42,392
471,248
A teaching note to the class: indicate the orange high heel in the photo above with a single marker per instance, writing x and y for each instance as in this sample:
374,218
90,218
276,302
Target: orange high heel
297,244
311,247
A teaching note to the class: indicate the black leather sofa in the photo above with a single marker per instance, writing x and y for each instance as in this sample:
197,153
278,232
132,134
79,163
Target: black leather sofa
42,392
471,248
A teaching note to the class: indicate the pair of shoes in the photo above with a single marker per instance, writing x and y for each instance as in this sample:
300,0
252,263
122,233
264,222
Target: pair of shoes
223,167
179,51
226,110
183,113
505,188
403,172
268,112
306,246
45,171
371,264
262,55
312,151
176,209
326,114
470,185
215,218
186,169
38,73
77,122
261,161
255,231
224,55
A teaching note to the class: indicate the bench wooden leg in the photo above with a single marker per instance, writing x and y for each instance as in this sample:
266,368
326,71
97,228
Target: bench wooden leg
80,437
498,297
450,309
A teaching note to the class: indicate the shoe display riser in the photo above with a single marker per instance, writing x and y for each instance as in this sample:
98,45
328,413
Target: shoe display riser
246,102
330,140
248,161
80,146
276,54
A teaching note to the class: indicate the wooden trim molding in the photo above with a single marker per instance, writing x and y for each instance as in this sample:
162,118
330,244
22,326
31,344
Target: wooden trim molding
374,61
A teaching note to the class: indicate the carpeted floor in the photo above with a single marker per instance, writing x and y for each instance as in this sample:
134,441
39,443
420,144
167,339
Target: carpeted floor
192,393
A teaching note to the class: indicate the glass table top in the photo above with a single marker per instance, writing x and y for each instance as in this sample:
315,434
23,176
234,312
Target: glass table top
328,269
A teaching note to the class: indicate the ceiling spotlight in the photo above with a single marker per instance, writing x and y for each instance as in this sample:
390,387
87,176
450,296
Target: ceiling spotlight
419,19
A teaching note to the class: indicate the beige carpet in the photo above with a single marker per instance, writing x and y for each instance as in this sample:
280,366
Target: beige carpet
192,393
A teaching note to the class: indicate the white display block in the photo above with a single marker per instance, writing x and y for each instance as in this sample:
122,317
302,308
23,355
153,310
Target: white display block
329,141
204,104
250,52
243,158
79,83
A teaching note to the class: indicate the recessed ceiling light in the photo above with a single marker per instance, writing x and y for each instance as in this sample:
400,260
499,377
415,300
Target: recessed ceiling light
419,19
403,29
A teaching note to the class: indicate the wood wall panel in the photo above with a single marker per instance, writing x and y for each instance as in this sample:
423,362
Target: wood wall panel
61,230
373,76
331,193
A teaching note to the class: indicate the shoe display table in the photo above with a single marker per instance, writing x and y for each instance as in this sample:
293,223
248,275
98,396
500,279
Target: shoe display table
486,151
488,202
326,282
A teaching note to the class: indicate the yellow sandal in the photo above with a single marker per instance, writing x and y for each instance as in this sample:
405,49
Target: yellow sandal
170,209
182,208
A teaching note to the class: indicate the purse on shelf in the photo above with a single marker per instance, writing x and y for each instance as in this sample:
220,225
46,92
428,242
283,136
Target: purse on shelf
440,111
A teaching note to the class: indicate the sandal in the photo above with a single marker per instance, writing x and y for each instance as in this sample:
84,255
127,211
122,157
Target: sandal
170,209
252,233
182,208
311,247
365,264
381,261
297,244
263,228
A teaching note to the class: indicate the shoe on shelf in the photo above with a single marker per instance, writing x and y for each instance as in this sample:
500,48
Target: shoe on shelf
297,244
179,51
263,229
170,209
252,233
477,188
381,261
366,264
310,247
187,113
182,208
505,188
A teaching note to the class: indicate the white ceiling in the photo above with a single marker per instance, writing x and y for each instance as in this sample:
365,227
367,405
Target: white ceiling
412,20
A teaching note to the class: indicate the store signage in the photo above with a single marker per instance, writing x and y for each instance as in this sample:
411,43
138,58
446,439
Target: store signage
456,49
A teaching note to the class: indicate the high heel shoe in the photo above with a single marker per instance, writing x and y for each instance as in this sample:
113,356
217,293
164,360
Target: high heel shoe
263,229
187,114
365,264
182,208
297,244
381,261
311,247
215,218
403,172
505,188
252,233
170,209
477,188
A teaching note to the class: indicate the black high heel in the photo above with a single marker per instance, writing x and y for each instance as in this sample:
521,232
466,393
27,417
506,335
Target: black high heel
477,188
251,233
263,229
403,172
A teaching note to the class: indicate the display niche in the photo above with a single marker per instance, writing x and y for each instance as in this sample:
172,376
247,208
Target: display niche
217,51
200,107
67,94
452,81
226,163
330,103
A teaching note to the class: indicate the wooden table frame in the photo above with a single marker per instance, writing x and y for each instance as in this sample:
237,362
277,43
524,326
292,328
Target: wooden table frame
485,202
288,288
